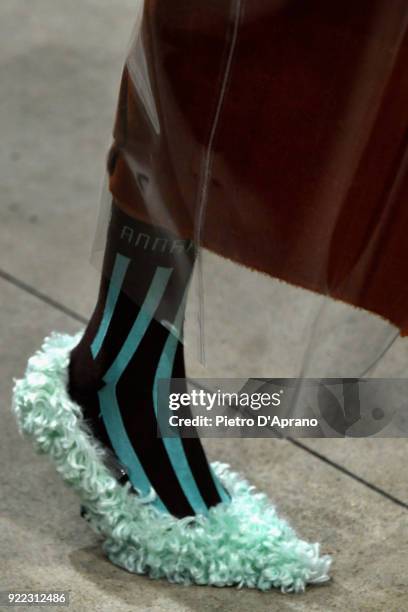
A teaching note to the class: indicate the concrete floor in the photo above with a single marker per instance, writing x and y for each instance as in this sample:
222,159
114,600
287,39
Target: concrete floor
60,67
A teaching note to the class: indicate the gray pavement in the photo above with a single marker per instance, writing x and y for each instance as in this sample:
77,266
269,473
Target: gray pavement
60,68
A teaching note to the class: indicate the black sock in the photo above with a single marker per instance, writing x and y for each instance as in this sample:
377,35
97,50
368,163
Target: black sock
132,340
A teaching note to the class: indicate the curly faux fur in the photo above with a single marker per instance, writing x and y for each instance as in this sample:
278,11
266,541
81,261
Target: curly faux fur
242,542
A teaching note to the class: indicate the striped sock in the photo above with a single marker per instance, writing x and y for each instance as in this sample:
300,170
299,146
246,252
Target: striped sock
133,340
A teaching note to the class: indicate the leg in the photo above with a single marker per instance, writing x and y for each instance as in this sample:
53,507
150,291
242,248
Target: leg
167,513
159,506
114,370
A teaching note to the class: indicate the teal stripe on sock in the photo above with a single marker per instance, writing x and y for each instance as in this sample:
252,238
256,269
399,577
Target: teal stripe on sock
174,446
119,270
107,396
220,489
140,325
120,442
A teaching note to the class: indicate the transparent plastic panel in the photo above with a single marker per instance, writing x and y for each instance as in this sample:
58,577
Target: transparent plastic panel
263,143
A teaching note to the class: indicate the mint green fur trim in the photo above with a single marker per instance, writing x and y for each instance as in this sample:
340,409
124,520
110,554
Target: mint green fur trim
242,542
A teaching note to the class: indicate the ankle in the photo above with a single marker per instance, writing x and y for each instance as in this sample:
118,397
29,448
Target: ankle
83,378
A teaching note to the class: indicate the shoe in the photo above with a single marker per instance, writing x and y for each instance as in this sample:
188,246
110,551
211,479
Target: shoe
242,542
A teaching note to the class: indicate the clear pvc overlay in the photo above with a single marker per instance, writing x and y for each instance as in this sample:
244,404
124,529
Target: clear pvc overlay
273,135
